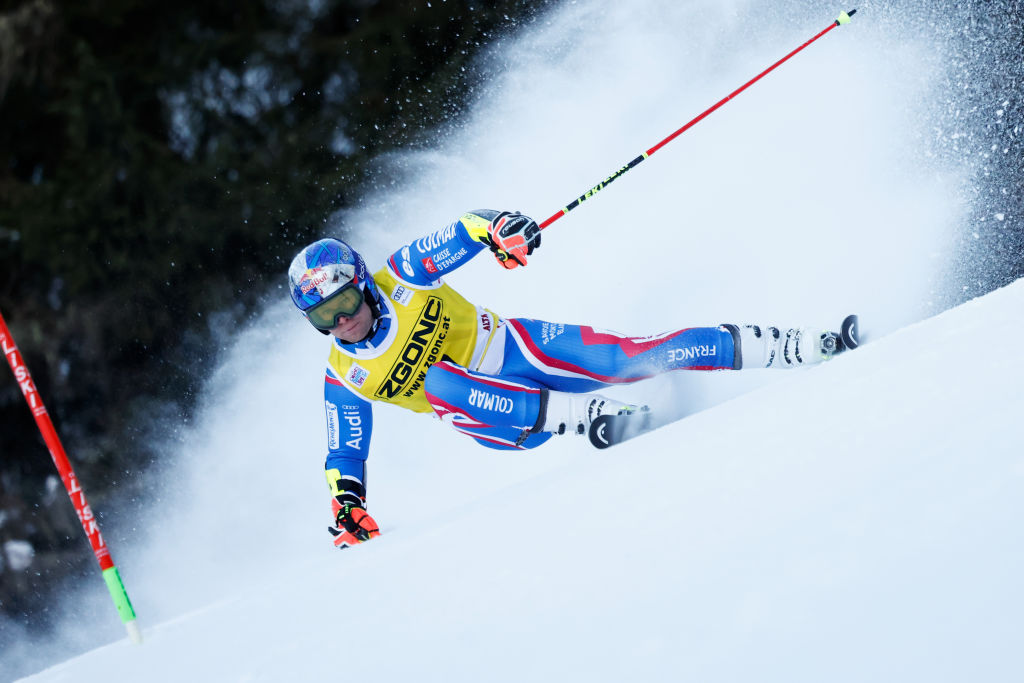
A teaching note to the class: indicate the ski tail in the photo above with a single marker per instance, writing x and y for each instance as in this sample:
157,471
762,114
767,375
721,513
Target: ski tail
609,430
849,332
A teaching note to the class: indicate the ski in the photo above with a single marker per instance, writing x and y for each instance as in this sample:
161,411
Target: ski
608,430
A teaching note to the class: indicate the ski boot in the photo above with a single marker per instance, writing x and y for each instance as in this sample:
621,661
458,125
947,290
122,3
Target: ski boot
773,347
567,413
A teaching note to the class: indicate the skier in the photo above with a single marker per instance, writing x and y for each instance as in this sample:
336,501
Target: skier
405,337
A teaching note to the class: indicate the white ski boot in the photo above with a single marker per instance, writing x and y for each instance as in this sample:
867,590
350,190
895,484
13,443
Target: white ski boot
567,413
767,346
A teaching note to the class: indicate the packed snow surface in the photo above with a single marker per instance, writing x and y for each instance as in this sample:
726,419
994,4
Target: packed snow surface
855,521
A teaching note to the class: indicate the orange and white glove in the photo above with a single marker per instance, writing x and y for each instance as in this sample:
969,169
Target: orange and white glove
512,237
352,524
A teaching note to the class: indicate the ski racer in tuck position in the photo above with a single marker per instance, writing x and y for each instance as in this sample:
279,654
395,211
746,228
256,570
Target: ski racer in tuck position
403,336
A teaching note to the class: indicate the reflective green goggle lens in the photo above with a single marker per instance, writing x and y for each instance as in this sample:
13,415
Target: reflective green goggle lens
345,302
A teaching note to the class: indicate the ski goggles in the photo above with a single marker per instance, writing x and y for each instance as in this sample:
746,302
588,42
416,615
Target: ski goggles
345,302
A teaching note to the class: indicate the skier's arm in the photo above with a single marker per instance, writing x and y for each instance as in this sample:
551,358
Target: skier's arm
349,423
511,236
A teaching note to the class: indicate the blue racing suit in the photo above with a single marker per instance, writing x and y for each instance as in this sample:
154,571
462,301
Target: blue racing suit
433,351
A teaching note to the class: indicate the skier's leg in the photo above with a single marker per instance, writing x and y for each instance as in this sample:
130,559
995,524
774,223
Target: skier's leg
569,359
578,358
499,412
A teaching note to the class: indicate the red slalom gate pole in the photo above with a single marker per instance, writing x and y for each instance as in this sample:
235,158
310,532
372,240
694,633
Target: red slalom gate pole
67,475
844,18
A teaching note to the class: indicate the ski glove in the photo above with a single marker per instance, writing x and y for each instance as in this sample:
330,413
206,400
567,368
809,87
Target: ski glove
512,237
352,523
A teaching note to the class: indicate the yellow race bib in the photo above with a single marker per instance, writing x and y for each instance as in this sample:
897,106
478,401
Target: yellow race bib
427,324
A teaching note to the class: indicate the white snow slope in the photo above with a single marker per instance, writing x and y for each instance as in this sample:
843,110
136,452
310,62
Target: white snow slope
856,521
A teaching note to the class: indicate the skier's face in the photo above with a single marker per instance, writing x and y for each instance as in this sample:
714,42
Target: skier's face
351,330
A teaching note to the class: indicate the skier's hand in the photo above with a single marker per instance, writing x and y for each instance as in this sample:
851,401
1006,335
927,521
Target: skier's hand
512,237
352,523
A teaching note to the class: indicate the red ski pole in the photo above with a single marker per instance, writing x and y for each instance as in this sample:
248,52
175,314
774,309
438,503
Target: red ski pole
844,18
85,515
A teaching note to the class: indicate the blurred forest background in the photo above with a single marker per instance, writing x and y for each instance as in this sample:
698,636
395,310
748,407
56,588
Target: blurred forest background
161,163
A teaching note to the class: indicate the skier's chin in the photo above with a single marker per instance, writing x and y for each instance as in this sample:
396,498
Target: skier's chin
350,334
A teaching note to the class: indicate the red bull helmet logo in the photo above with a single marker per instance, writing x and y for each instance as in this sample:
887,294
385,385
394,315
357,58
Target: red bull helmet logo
321,269
314,277
317,283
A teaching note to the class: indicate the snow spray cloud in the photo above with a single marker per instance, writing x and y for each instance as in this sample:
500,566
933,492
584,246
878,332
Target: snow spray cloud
813,194
807,197
976,123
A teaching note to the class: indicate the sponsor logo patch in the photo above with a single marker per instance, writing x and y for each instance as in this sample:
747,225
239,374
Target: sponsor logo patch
691,352
406,265
355,427
428,263
489,401
313,279
402,295
333,437
357,375
422,349
548,331
435,240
